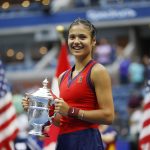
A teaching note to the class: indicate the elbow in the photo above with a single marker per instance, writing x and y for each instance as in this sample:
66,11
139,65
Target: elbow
109,118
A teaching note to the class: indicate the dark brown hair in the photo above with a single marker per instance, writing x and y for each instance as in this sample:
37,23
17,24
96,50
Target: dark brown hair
87,23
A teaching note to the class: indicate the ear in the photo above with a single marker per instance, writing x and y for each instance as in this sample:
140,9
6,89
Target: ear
94,42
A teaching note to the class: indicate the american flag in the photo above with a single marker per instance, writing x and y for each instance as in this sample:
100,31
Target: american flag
8,122
144,138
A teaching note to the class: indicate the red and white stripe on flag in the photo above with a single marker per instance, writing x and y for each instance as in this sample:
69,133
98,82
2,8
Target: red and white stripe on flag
8,122
144,138
62,65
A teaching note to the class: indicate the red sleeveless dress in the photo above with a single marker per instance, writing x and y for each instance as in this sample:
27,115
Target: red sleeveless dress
78,92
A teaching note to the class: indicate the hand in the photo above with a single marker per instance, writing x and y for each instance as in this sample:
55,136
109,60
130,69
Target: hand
25,103
61,107
45,128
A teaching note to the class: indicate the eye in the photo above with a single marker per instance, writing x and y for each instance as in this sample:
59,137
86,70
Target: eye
82,37
71,37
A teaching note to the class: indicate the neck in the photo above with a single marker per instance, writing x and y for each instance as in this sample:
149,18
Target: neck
80,64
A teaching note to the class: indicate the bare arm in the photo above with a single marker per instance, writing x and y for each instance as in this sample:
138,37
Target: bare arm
102,84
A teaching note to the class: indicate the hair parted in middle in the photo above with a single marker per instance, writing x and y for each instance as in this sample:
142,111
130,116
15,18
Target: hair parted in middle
86,23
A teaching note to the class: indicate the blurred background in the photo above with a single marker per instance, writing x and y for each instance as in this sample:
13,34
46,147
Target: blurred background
30,44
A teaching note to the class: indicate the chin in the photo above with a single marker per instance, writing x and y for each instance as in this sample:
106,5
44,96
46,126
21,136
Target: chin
77,54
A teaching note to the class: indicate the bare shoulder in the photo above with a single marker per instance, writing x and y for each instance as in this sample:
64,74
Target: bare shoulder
99,72
99,69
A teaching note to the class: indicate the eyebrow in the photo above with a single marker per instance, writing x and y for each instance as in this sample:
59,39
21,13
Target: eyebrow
78,34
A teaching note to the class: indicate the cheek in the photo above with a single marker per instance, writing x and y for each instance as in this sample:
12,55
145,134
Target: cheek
89,44
69,46
69,43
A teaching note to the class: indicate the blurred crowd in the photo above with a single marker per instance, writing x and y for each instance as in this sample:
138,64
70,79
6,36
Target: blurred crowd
52,6
56,5
132,69
133,73
129,72
129,92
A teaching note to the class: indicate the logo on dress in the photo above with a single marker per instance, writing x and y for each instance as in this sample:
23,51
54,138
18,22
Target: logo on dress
80,79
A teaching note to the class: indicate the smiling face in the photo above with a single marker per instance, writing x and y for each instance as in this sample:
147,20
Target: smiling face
80,41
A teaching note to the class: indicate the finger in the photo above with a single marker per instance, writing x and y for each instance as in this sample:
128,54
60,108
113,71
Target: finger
56,111
57,100
25,106
25,103
25,99
58,104
57,108
61,99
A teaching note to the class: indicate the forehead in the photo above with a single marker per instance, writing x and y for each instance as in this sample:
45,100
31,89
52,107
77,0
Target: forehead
79,29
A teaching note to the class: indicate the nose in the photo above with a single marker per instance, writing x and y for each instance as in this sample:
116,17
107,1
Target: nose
76,40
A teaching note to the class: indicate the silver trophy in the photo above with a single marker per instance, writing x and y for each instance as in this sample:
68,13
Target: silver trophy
40,103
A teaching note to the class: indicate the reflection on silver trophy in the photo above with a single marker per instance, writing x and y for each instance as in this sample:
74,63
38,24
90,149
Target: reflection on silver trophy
38,113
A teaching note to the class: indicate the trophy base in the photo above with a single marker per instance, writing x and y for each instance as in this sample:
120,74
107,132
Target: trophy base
40,134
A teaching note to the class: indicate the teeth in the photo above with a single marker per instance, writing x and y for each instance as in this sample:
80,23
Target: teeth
77,48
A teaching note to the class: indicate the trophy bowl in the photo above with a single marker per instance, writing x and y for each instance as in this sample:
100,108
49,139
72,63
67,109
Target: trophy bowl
40,103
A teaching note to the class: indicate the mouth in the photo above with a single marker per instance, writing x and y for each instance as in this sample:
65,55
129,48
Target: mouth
77,48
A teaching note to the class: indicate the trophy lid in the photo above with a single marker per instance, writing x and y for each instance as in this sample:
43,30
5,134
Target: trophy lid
44,91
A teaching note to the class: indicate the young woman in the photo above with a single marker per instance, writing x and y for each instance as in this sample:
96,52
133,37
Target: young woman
85,93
